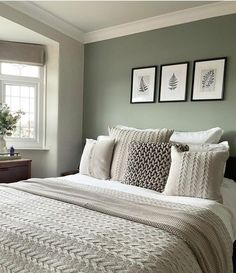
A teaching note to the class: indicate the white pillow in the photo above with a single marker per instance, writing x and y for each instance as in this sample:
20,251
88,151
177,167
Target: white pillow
210,136
96,157
104,138
132,128
222,146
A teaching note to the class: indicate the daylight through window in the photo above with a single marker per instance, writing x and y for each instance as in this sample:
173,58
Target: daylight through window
22,89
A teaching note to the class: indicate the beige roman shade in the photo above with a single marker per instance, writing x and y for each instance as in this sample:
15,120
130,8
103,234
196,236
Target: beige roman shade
33,54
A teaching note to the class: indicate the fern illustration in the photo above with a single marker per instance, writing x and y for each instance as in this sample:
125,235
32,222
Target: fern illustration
208,79
142,85
173,82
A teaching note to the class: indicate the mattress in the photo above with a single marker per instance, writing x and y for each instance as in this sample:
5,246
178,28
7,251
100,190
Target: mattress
81,224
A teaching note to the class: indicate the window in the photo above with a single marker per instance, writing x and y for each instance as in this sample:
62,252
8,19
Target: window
22,88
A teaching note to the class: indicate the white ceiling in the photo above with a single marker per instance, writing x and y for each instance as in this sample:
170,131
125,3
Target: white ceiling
11,31
92,21
94,15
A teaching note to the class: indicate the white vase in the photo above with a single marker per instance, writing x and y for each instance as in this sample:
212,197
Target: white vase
3,147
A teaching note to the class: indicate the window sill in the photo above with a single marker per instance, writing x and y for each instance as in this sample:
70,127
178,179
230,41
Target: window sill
32,149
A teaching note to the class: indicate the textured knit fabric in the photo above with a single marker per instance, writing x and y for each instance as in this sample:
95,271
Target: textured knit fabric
149,164
91,229
196,174
123,137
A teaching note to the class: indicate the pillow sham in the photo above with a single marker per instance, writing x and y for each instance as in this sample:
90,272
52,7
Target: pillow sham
196,174
222,146
133,128
209,136
123,137
96,157
149,164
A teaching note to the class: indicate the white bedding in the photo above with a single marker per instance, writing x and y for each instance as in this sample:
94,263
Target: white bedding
71,226
228,191
226,212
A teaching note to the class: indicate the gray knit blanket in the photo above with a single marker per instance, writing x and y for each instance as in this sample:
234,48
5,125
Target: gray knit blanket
49,226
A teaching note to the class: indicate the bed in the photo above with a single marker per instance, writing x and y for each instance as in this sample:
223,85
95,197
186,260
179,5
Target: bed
81,224
44,228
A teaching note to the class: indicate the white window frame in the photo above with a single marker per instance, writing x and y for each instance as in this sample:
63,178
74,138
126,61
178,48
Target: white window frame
40,110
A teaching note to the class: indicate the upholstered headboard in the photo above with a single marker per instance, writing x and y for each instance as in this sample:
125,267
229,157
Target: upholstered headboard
230,171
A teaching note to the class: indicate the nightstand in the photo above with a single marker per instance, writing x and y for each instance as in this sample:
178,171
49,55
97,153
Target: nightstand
70,172
15,170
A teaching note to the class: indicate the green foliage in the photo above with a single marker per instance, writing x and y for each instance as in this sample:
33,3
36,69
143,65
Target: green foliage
8,119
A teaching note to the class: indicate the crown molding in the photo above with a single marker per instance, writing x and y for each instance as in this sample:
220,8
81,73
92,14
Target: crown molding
162,21
47,18
151,23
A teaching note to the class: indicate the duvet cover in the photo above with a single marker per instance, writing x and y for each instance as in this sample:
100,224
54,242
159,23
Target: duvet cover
80,225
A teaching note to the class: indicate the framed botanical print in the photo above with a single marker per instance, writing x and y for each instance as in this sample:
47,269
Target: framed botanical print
173,82
143,84
208,79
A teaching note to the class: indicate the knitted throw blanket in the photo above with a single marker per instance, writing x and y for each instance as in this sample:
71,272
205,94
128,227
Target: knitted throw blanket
91,229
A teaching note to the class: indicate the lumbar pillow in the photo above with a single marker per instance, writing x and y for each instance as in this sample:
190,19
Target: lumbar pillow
123,137
96,157
149,164
209,136
196,174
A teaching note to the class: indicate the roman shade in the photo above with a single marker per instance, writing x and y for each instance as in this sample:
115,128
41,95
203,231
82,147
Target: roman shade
32,54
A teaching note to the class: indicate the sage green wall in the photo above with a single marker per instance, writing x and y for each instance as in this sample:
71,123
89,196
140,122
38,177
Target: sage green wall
107,79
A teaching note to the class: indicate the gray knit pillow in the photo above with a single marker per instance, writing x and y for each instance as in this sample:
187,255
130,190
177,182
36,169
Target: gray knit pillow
196,174
149,164
123,137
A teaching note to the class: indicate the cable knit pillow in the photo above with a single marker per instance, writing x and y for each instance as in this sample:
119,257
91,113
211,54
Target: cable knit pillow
96,157
149,164
196,174
123,137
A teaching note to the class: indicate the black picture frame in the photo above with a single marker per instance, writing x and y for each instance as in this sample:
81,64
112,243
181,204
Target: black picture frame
219,93
137,75
162,86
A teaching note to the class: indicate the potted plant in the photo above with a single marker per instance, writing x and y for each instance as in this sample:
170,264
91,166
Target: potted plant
8,121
